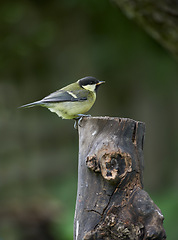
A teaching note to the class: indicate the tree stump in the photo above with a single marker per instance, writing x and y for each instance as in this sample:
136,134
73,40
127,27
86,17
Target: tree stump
111,202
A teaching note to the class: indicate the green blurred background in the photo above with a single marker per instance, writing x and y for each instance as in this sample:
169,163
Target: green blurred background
45,45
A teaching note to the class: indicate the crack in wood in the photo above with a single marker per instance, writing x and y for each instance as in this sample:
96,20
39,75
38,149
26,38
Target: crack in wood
92,210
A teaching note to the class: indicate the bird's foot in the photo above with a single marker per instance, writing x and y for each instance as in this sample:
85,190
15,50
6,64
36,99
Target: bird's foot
83,115
78,120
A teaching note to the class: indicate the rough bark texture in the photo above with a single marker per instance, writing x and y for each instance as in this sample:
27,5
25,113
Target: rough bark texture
111,203
158,18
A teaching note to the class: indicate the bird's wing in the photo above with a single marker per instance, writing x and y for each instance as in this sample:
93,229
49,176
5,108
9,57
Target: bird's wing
65,96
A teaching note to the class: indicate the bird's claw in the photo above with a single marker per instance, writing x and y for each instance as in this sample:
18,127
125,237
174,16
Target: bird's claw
79,119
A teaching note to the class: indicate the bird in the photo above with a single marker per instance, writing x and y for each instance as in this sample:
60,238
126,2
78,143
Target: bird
72,101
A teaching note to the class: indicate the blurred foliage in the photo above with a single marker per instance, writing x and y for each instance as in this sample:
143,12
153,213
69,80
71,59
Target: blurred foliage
45,45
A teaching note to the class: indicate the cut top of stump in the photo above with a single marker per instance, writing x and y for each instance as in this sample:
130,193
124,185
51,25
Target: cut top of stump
125,127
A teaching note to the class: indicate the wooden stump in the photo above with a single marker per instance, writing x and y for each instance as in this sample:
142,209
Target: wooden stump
111,203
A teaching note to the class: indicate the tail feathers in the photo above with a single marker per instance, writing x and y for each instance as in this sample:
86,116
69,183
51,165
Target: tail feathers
37,103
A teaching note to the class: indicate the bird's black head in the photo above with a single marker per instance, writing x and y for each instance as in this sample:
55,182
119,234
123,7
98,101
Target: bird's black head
89,83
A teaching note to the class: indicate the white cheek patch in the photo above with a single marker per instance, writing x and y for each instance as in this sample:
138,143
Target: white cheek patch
90,87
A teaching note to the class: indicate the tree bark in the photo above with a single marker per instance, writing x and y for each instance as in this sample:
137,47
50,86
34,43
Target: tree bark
158,18
111,203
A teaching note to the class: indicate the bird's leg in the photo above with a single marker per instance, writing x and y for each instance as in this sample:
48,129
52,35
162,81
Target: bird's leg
78,120
76,123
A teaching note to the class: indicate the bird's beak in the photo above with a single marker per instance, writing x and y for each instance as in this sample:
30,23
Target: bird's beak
100,82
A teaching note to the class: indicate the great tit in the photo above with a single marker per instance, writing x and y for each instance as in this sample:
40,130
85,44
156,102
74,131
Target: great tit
72,101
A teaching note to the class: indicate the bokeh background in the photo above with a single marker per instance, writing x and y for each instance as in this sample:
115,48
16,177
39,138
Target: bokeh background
45,45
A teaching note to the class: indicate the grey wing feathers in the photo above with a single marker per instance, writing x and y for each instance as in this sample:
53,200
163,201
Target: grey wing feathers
63,96
58,96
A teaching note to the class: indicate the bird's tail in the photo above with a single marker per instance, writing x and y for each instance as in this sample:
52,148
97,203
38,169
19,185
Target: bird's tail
33,104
